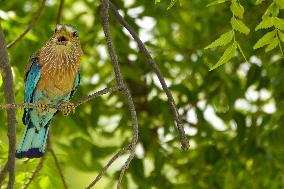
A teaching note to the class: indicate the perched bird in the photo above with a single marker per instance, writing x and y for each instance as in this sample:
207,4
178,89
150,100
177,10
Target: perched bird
52,77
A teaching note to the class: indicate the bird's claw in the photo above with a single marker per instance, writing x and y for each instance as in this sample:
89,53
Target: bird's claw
67,108
42,106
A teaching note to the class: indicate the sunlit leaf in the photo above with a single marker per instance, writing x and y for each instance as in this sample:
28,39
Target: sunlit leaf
280,34
265,23
223,40
272,45
265,40
216,2
272,10
239,26
259,2
172,3
279,23
279,3
1,81
237,9
228,54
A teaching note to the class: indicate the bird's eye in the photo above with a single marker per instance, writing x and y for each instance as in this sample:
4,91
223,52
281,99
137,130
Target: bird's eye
75,34
55,30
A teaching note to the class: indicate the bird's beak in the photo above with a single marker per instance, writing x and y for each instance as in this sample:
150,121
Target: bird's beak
62,40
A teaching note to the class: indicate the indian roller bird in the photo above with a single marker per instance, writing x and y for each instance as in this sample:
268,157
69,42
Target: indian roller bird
52,77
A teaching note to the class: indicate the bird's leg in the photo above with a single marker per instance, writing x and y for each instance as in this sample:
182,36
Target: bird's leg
67,108
42,106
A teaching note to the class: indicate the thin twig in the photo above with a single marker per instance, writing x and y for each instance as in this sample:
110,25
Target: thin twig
124,88
98,93
3,173
58,167
121,151
8,85
58,107
134,139
59,14
123,22
35,172
113,57
30,26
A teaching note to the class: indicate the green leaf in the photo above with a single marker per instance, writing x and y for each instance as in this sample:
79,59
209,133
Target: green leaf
279,3
237,9
259,2
216,2
239,26
272,45
1,81
272,10
279,23
280,34
223,40
265,23
173,2
228,54
157,1
265,40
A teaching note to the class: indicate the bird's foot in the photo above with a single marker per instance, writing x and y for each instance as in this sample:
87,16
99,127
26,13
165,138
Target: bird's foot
67,108
42,106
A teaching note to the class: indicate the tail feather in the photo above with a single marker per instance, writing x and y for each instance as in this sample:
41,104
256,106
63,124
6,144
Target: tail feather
33,141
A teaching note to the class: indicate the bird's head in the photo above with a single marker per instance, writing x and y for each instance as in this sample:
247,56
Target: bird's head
65,39
63,46
65,35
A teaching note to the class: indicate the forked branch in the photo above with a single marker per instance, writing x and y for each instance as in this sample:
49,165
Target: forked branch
183,139
8,85
125,90
121,86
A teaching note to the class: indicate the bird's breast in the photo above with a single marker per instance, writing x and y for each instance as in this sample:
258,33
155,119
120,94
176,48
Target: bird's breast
56,81
59,66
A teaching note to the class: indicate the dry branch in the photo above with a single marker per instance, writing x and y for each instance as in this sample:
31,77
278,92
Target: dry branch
35,172
60,10
105,23
58,167
119,153
58,107
121,86
8,84
123,22
30,26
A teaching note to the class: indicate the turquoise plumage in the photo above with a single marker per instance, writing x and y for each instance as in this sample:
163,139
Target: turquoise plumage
52,78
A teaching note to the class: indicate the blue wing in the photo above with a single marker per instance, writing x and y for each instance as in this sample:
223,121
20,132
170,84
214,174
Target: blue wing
32,78
76,84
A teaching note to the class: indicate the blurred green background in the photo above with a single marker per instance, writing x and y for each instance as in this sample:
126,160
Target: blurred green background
233,115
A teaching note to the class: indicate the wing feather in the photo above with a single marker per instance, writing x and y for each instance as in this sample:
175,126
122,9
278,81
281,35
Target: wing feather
76,84
32,78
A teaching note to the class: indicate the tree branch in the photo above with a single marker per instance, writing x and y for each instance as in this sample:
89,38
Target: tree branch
58,166
58,107
120,152
59,14
121,86
124,88
30,26
8,84
35,172
123,22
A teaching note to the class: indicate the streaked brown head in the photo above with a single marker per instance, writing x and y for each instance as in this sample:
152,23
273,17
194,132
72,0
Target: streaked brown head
65,34
63,47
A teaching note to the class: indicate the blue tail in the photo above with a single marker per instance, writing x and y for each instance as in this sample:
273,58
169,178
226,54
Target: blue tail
33,141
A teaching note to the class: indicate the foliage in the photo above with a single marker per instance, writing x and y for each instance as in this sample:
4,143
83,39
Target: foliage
233,115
